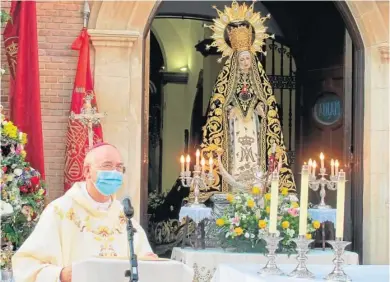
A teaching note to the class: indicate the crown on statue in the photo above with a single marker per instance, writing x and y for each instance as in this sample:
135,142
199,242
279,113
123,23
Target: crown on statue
240,38
246,140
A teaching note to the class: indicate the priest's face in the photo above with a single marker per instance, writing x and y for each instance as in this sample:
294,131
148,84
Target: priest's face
104,158
244,61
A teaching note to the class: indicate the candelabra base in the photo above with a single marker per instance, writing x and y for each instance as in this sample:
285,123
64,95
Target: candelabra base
338,277
196,205
324,207
303,273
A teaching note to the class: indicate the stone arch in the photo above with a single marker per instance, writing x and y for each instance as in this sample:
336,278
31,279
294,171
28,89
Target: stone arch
119,31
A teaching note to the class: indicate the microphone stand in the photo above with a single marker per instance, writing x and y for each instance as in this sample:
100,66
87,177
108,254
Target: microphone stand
133,272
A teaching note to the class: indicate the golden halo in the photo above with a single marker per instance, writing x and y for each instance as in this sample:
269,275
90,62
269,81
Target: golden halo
238,13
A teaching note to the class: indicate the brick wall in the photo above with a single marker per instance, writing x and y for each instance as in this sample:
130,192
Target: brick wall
59,23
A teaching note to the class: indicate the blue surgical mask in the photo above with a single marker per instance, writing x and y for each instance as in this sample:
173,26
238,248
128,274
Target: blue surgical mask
108,182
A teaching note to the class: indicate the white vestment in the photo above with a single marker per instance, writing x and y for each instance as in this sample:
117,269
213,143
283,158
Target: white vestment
74,228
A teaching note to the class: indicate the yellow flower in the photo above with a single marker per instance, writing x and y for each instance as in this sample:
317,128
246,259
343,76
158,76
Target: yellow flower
267,196
230,198
255,190
316,224
41,191
294,205
220,222
250,203
285,224
308,236
262,224
267,209
238,231
284,191
23,154
24,138
10,130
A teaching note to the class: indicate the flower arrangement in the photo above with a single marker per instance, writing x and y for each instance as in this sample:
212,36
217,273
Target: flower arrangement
245,221
22,192
155,200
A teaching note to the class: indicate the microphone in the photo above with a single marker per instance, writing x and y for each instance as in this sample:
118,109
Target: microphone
129,212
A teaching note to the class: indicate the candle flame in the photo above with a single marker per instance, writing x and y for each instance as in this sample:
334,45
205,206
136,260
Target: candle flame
310,162
337,163
314,164
182,159
211,161
322,156
203,162
332,162
197,153
188,159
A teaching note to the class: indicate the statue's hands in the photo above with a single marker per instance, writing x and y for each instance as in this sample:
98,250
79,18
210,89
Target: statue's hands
260,110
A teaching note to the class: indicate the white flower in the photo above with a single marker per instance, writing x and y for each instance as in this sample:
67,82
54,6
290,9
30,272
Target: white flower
277,233
246,235
13,166
252,236
5,208
18,171
290,232
243,216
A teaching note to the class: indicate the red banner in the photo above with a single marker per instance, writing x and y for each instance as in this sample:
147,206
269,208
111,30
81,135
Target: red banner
77,137
21,46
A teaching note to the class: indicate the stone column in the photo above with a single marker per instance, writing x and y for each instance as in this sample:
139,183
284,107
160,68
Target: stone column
114,79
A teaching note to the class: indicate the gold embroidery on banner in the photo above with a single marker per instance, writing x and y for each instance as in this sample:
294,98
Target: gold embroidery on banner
12,52
102,233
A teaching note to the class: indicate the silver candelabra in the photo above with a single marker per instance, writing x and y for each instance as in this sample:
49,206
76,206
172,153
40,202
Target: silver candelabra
271,267
338,273
199,180
301,270
321,184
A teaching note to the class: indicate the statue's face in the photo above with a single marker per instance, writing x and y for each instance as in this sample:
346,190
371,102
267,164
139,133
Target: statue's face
244,61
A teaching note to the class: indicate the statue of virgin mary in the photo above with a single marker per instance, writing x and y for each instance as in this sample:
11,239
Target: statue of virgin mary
242,120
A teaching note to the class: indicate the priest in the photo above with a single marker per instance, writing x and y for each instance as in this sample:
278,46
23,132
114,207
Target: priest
85,222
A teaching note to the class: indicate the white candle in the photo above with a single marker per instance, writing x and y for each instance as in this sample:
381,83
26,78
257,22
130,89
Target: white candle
310,165
314,165
197,157
202,163
188,160
340,205
336,165
322,157
211,164
332,167
304,200
273,217
20,136
182,162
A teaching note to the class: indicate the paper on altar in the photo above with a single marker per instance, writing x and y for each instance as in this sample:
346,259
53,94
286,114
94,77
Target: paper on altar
113,270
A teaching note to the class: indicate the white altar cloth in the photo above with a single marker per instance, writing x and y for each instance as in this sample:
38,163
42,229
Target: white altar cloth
249,273
113,270
205,262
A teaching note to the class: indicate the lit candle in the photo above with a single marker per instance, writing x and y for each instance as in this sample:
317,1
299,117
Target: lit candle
273,217
314,165
197,157
310,165
340,205
203,162
188,159
211,164
304,200
332,167
182,162
336,165
322,157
